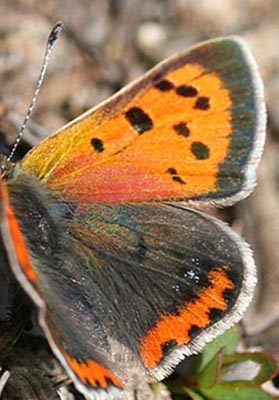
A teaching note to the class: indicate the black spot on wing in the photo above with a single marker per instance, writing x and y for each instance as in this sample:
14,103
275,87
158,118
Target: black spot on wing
202,103
229,295
164,85
194,331
97,144
167,347
182,129
109,383
172,171
215,314
179,180
200,150
175,177
186,91
139,120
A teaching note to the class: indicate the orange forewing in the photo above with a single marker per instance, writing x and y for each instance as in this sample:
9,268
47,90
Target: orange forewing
105,156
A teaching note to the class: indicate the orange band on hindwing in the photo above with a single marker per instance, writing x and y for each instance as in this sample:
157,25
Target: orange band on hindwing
194,314
91,372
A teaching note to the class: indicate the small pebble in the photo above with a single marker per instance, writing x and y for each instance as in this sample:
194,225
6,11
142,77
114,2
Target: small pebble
151,38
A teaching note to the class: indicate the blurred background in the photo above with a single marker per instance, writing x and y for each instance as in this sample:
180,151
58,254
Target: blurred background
106,44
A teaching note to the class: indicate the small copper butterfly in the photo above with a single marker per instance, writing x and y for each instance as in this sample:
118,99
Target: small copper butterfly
126,279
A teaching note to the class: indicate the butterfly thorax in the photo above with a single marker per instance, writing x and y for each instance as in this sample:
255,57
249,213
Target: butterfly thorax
37,213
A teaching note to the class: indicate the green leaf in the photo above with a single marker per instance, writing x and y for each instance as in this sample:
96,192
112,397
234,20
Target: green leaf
221,375
247,369
194,395
209,376
221,393
228,341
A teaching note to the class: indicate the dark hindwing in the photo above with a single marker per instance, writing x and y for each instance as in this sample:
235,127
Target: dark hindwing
149,262
131,285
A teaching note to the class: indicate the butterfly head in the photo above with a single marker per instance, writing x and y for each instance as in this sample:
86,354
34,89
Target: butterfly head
6,167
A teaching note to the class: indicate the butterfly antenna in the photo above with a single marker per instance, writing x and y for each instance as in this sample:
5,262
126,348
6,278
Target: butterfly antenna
50,44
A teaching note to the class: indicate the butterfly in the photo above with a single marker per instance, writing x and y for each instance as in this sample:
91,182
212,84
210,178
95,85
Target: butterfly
127,279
